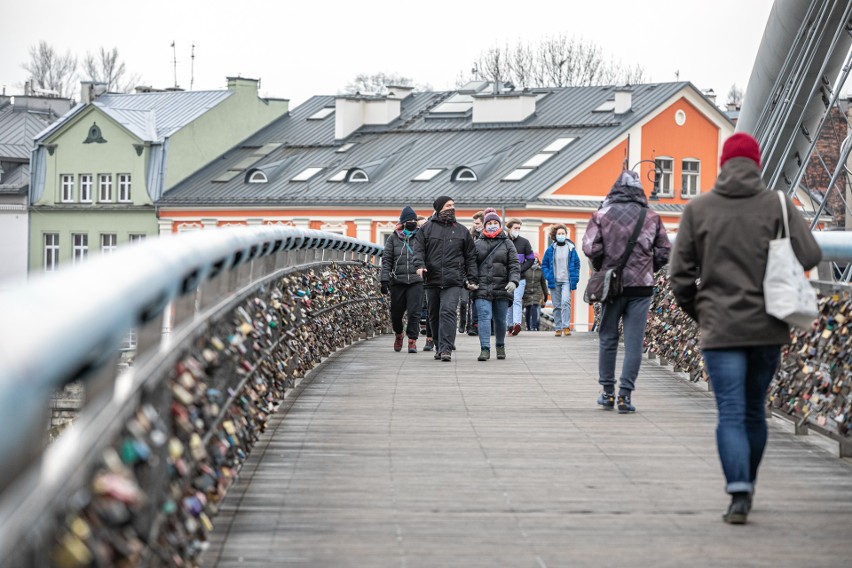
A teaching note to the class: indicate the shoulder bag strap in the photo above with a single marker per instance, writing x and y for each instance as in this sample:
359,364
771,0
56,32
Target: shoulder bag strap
786,229
632,242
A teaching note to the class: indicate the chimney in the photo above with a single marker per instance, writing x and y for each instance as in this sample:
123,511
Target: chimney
503,107
711,96
623,100
240,83
353,112
91,90
732,106
400,92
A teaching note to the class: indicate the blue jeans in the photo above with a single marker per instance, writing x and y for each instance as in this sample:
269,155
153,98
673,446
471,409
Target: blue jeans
634,313
740,379
561,298
532,312
516,315
485,309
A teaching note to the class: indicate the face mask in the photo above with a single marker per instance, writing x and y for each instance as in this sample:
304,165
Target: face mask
447,215
561,238
410,225
515,233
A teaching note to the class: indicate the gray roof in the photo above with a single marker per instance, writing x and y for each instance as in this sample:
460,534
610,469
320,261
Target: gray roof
394,154
18,127
152,117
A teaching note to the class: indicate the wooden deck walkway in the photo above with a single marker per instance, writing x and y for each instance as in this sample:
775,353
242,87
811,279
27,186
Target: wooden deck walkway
391,459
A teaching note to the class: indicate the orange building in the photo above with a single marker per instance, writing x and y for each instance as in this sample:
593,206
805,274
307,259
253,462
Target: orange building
349,164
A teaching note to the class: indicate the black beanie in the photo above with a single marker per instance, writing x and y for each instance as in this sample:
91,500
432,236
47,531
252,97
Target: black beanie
408,214
441,201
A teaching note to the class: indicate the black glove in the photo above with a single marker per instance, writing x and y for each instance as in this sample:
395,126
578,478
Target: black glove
385,288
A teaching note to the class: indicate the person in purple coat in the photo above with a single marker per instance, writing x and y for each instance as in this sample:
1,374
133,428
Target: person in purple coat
604,243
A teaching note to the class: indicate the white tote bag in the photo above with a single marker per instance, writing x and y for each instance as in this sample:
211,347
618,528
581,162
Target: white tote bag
787,293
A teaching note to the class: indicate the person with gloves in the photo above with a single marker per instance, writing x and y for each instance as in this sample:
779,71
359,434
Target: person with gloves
399,278
444,257
499,273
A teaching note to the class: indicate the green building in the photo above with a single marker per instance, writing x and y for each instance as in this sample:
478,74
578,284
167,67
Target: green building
96,172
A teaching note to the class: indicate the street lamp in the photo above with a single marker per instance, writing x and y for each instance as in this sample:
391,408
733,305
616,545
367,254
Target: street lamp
654,176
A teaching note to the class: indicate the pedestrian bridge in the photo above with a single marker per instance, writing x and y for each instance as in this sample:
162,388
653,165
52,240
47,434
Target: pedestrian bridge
239,405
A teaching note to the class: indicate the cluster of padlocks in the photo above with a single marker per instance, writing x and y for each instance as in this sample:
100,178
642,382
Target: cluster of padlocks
814,382
153,496
671,335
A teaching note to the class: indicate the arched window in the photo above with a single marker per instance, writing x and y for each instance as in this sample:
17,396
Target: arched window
464,174
257,176
358,176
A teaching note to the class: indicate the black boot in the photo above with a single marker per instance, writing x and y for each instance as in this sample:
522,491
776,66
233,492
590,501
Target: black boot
737,512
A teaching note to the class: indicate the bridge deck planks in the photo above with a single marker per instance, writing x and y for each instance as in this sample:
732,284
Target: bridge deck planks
391,459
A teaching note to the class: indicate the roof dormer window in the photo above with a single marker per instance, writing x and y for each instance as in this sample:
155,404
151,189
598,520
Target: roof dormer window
257,176
357,175
464,174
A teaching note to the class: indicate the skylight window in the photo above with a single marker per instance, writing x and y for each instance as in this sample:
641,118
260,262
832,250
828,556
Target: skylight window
607,106
456,104
321,113
339,176
518,174
428,174
558,144
307,174
537,160
345,147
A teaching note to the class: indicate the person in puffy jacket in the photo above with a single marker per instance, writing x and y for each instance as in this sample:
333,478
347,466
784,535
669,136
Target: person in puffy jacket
723,242
525,258
499,273
561,269
399,278
444,257
535,295
604,243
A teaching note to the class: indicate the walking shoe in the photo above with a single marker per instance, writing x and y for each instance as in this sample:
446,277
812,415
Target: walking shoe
558,333
516,329
607,400
397,342
624,406
412,346
737,512
566,332
501,351
436,356
429,344
473,330
446,357
484,354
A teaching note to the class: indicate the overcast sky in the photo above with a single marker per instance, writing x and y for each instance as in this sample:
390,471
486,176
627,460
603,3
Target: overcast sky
300,49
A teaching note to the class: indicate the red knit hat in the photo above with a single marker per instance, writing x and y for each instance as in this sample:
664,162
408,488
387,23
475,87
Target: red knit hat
740,145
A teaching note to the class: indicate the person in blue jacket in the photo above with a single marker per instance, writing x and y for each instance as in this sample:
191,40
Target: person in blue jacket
561,268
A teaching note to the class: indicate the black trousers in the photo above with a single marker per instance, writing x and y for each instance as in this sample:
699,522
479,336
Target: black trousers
406,298
443,303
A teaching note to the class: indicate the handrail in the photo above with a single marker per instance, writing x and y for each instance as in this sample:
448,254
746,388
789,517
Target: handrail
836,246
65,326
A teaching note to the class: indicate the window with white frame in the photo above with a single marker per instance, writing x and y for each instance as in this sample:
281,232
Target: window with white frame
105,187
109,242
358,176
691,177
135,238
124,188
51,251
464,174
66,182
85,188
80,247
664,167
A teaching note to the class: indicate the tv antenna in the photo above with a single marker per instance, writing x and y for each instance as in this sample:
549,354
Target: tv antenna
192,68
174,61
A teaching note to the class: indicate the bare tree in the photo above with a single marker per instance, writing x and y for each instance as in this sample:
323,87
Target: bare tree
554,61
50,71
735,95
377,83
105,67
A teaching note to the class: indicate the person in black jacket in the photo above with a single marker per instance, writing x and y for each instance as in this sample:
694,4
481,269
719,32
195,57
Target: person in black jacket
499,273
399,278
526,259
445,259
